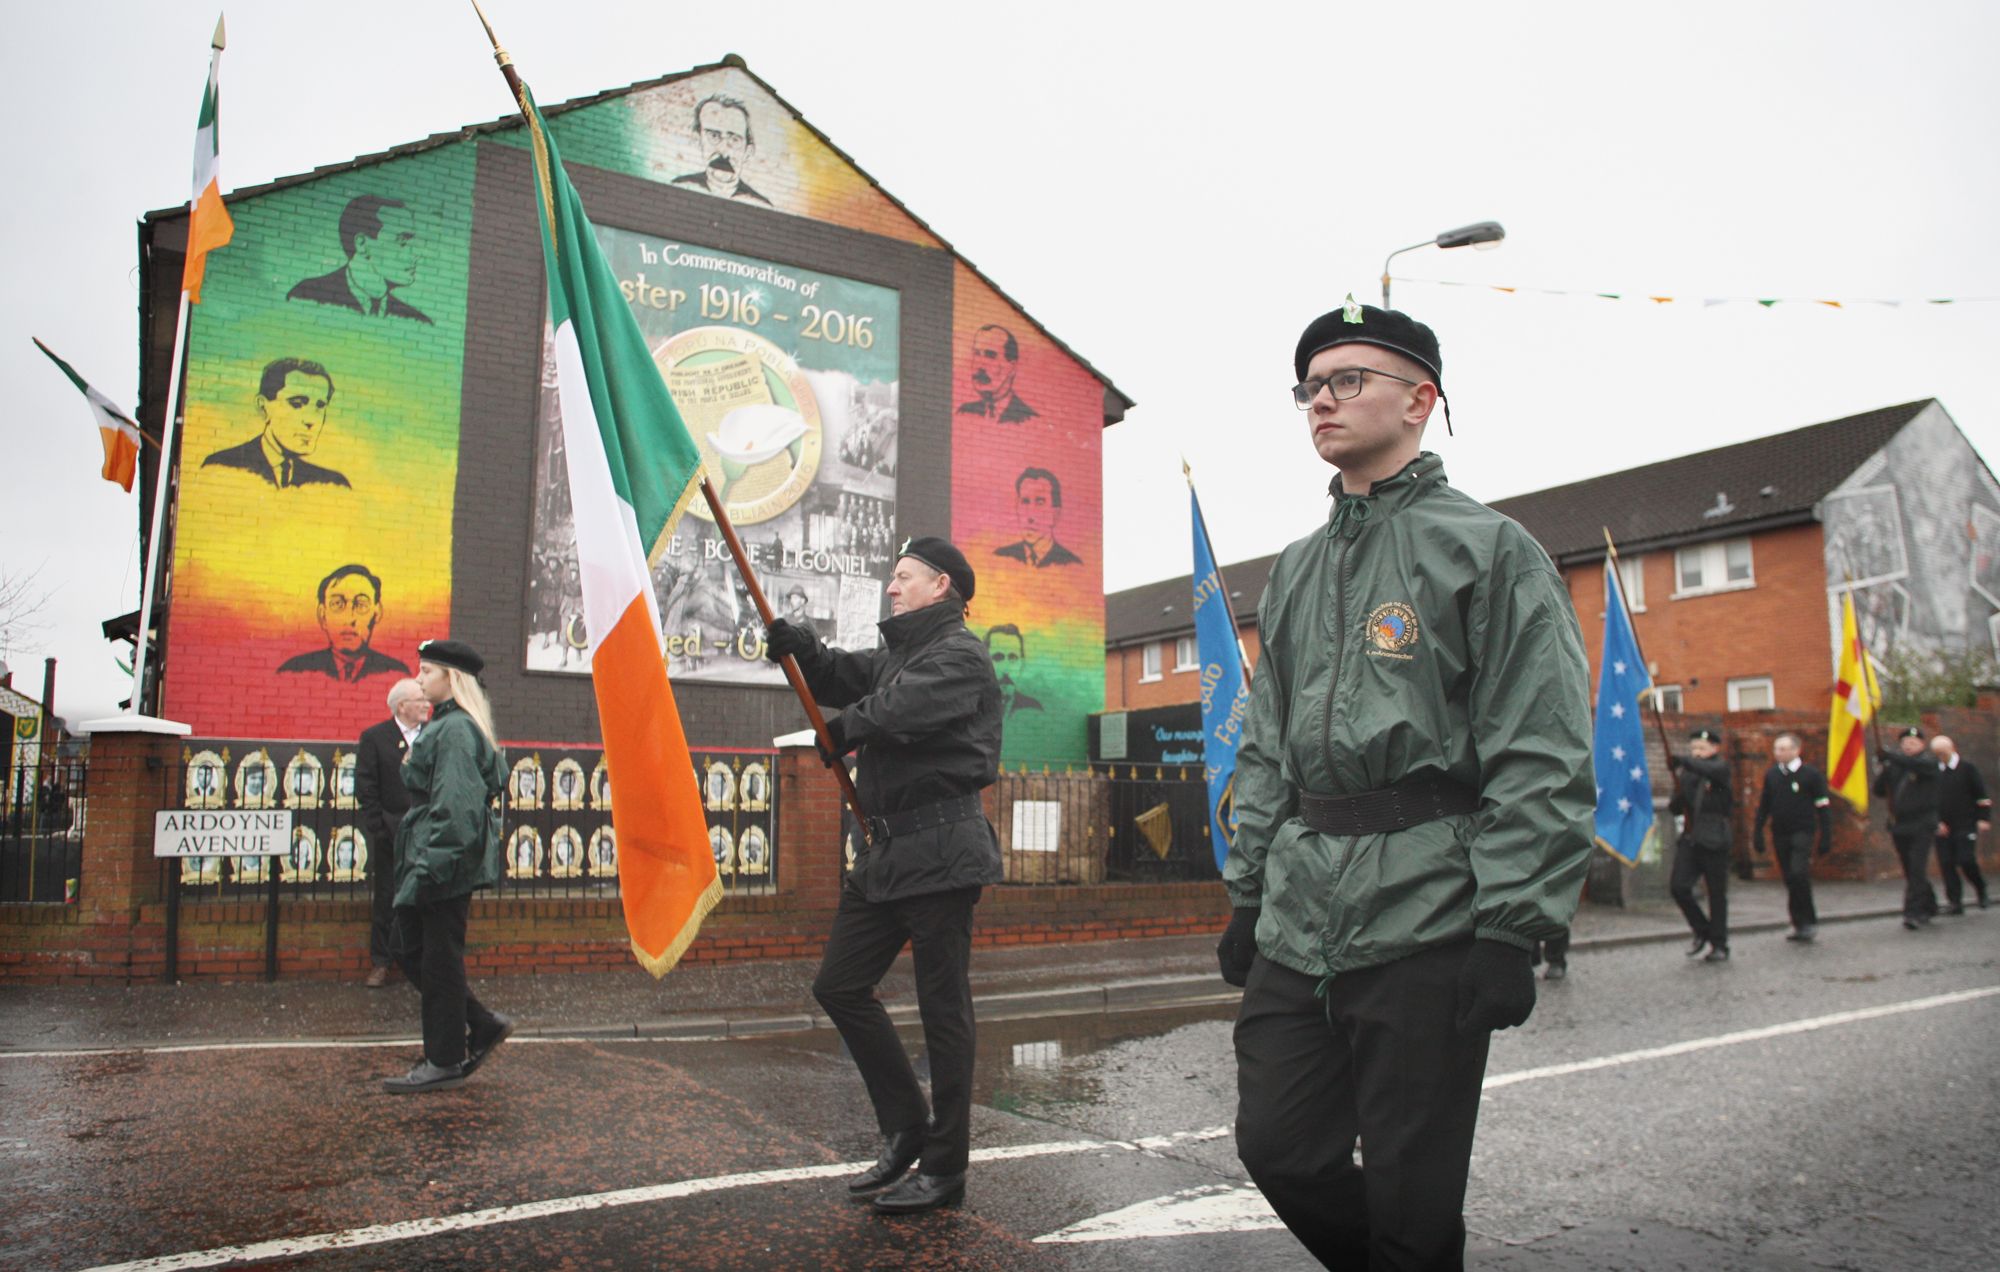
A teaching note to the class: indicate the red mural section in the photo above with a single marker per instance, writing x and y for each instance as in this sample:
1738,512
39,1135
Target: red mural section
1027,511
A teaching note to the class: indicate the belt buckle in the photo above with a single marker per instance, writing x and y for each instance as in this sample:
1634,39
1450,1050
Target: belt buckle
878,830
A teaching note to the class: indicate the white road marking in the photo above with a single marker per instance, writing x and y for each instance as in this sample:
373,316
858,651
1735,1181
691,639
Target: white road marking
1215,1208
1740,1036
1196,1206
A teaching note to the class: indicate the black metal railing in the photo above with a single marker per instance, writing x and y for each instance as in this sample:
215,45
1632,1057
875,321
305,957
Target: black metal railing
42,815
1115,823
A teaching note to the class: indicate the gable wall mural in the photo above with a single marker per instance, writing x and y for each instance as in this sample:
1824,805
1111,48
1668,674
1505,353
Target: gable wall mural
314,541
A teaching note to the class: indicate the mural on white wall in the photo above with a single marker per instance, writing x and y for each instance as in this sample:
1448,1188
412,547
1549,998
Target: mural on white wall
1914,532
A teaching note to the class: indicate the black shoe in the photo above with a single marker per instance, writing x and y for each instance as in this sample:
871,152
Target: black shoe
1806,933
899,1152
1720,954
1955,908
1982,898
922,1192
1910,923
426,1077
1699,944
1557,971
482,1044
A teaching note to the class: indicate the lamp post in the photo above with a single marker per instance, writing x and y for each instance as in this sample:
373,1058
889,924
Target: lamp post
1483,234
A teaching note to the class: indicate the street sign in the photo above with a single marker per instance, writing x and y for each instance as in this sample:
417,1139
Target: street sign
218,833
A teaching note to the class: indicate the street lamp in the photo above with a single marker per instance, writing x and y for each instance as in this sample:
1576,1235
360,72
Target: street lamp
1480,234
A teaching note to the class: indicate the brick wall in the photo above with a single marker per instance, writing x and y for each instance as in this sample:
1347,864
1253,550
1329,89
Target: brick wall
117,932
1777,628
1126,690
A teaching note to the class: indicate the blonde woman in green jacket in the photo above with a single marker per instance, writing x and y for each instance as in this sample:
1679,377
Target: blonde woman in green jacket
447,847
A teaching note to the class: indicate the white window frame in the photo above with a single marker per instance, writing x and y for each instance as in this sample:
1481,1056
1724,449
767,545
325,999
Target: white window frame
1660,693
1632,581
1737,686
1149,662
1714,558
1187,654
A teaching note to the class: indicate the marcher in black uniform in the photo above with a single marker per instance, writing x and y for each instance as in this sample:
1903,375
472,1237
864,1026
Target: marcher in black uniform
924,710
1964,811
1908,780
1798,807
1703,800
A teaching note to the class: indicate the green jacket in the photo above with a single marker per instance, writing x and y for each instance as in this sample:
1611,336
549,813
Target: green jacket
449,842
1418,630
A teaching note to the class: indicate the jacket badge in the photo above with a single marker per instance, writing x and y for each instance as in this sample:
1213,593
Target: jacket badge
1392,629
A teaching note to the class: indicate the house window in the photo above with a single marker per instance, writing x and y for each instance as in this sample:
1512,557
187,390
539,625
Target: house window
1632,582
1186,656
1752,693
1713,567
1149,662
1667,697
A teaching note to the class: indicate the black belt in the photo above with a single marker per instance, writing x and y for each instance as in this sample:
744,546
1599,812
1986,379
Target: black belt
924,817
1419,798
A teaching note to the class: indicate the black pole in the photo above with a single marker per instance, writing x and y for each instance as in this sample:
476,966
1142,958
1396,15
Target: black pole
271,919
172,971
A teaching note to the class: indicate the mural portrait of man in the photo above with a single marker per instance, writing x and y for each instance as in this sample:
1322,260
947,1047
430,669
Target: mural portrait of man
350,604
293,397
995,358
379,236
1037,509
1009,651
722,129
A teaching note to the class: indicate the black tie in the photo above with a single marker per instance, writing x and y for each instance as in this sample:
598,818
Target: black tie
285,473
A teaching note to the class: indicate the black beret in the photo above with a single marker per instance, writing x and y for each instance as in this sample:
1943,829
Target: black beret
941,556
452,653
1389,329
1705,735
1911,732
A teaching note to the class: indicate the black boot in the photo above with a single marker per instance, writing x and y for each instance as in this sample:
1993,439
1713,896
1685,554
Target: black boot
922,1192
899,1152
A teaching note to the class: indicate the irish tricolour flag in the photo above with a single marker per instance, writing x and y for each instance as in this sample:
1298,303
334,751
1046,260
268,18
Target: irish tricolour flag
209,226
632,468
114,428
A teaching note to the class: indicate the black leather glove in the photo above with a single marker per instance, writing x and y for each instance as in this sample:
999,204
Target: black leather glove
836,732
1238,945
1496,987
1824,846
1757,842
782,638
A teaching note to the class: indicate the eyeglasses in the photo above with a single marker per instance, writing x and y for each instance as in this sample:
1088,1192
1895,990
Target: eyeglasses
1345,384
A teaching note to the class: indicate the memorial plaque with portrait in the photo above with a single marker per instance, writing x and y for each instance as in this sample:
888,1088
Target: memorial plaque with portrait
788,381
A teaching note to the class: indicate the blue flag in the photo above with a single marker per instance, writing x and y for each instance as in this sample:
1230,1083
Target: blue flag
1624,787
1225,686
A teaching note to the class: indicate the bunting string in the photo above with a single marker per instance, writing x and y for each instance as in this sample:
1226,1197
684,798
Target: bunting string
1706,302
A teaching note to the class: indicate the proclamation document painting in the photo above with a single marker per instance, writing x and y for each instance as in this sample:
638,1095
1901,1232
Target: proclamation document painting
788,381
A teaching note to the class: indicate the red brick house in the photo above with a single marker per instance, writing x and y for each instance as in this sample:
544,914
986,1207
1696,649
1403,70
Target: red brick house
1734,561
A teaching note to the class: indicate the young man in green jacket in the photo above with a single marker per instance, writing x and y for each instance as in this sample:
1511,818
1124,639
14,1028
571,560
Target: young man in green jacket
1414,799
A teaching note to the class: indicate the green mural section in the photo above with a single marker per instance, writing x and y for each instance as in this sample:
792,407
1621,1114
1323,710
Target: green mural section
312,547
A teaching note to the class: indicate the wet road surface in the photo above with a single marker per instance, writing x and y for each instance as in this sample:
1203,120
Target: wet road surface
1832,1106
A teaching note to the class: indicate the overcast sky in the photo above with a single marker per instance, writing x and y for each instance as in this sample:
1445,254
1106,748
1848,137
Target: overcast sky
1173,199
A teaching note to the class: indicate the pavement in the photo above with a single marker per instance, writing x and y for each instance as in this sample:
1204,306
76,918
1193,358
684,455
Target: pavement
748,999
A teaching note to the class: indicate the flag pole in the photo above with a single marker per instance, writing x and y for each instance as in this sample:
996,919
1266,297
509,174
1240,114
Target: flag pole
163,471
505,62
1666,748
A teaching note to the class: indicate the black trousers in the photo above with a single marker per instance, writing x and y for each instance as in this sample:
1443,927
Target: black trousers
866,938
1958,854
1914,852
1692,863
430,945
1794,849
1378,1059
382,903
